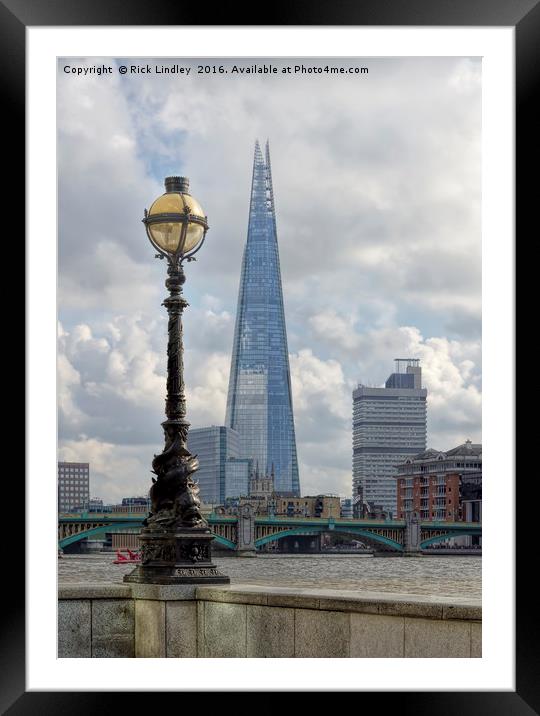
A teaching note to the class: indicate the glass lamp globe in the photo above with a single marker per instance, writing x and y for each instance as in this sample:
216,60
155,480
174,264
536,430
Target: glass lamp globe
176,223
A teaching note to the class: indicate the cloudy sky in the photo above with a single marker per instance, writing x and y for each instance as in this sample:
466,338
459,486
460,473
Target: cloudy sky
377,190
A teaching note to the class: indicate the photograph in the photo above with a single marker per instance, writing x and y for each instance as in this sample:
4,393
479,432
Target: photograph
269,357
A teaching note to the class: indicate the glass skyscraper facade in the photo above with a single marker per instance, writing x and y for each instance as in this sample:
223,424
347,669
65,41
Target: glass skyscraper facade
259,402
389,425
237,476
213,446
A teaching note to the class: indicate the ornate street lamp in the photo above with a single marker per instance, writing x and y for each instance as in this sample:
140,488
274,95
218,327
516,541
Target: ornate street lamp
175,539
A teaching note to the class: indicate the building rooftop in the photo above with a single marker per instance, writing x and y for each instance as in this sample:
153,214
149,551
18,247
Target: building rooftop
467,448
429,454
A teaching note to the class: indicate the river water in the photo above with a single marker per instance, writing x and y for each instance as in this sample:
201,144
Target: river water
453,576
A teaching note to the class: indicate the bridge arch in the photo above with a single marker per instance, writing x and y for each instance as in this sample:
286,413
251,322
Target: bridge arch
224,541
288,533
122,526
78,536
359,532
299,532
473,532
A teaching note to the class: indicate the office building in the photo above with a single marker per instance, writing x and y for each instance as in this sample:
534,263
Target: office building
238,473
73,486
259,402
133,505
95,504
347,508
389,425
213,446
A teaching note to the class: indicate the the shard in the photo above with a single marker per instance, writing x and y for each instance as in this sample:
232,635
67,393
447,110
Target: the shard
259,402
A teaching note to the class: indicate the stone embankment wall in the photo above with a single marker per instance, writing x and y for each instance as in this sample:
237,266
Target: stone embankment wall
260,621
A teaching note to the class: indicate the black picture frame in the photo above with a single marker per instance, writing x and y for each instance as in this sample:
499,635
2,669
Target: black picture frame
524,17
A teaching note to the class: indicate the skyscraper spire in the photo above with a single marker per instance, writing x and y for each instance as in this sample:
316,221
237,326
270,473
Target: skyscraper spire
259,403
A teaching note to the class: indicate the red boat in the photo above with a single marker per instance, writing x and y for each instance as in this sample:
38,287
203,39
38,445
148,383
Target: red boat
133,557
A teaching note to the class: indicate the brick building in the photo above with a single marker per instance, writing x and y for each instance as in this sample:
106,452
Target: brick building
442,485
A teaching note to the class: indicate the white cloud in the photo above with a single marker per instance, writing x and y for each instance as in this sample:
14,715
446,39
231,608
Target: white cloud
207,389
335,328
107,278
451,373
317,385
116,471
67,378
370,180
467,76
317,479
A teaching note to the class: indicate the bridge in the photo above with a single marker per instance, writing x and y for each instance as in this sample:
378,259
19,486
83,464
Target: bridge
247,533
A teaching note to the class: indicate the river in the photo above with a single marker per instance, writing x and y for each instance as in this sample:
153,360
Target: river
449,575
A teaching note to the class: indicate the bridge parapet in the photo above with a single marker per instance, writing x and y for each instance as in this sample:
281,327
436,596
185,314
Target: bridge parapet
247,532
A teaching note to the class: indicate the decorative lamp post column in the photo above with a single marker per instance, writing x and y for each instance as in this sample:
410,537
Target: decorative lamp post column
175,539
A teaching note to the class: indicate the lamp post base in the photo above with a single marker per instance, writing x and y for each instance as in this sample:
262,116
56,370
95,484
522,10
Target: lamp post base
176,557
